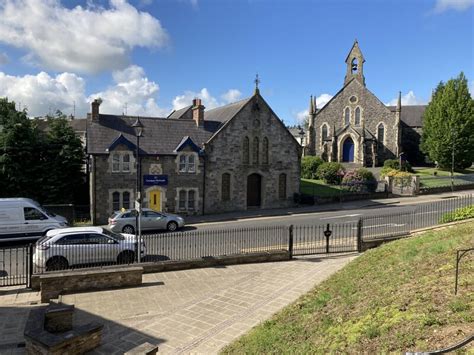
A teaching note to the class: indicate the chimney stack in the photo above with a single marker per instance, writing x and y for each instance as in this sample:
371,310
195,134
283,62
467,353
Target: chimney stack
198,112
95,108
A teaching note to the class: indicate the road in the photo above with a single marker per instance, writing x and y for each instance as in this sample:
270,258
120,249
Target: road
231,237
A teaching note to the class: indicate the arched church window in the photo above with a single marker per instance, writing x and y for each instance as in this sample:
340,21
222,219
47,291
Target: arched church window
347,116
255,149
282,186
324,133
357,116
265,150
381,133
246,151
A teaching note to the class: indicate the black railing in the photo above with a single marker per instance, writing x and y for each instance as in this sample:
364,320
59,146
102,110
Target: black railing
15,265
325,239
219,242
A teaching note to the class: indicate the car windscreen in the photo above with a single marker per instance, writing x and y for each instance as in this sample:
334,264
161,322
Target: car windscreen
114,215
116,236
43,239
48,213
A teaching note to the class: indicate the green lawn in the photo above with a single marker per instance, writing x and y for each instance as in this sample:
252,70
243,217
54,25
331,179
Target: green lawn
395,298
430,172
320,188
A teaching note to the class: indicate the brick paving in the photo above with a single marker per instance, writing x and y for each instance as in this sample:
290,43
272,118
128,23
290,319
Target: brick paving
184,312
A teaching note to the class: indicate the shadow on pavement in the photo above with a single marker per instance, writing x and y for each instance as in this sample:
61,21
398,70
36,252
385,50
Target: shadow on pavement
117,338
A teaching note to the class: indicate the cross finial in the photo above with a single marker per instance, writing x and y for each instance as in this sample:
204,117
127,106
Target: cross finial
256,81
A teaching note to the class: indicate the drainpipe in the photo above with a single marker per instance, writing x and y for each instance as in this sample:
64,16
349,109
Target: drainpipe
203,179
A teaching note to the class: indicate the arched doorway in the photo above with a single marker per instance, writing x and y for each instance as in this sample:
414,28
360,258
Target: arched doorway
348,150
254,190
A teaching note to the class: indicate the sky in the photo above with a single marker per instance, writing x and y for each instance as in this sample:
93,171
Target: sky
149,57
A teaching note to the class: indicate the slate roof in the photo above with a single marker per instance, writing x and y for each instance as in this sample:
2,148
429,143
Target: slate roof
412,115
77,124
178,113
225,113
160,135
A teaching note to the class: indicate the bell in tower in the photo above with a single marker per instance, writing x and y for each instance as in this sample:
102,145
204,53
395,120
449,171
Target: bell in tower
355,61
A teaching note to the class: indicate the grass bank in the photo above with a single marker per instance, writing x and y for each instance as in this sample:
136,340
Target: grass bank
398,297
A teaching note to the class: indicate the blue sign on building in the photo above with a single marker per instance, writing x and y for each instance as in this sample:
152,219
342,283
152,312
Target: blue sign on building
155,180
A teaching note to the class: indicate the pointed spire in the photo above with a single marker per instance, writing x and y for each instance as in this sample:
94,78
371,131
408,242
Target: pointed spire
314,105
399,103
311,108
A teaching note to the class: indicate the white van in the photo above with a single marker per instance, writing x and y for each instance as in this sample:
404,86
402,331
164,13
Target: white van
24,218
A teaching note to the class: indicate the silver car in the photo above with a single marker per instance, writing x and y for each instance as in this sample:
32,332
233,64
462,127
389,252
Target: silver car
124,221
66,247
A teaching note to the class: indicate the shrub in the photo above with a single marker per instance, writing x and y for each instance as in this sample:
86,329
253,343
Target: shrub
331,172
395,164
387,171
458,215
402,178
359,180
309,167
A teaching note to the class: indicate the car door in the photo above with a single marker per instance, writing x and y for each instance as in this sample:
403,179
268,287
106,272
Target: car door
104,248
155,220
74,248
34,221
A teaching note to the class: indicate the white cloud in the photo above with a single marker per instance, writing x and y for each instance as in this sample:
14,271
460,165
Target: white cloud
90,39
42,94
3,58
208,100
321,101
457,5
232,95
407,99
132,92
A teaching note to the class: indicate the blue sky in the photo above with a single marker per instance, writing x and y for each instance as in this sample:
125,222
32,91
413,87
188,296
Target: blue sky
147,57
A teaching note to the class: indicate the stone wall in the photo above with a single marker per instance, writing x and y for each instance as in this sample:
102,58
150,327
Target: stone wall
107,182
54,284
224,154
373,112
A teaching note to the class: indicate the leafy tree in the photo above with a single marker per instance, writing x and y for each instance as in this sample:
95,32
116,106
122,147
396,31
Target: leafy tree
448,125
63,160
20,153
309,167
43,166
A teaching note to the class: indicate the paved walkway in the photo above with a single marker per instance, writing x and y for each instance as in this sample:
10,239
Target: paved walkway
185,312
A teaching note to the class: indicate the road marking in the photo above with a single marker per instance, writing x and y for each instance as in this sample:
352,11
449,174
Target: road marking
344,216
383,225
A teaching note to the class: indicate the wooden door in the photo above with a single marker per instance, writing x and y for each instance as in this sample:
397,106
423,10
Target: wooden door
254,190
155,200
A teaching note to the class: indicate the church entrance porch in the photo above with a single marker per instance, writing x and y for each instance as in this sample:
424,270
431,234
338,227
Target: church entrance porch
348,150
254,190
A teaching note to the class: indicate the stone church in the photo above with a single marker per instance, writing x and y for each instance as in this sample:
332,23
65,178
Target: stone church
235,157
355,127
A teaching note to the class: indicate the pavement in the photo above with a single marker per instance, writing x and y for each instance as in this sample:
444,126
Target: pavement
329,207
195,311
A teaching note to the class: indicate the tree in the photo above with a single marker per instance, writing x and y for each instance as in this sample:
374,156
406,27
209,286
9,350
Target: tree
44,166
63,161
448,125
20,153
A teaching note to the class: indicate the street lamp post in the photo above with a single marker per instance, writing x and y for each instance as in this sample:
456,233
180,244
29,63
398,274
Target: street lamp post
138,127
453,138
301,133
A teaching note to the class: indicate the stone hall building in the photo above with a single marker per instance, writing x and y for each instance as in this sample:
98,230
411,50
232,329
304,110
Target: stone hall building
356,127
235,157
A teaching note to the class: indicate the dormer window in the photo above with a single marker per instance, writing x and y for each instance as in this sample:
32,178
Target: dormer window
187,162
121,162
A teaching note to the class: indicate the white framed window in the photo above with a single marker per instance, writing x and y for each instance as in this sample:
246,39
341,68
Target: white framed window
187,199
191,164
116,163
187,163
182,163
121,162
126,163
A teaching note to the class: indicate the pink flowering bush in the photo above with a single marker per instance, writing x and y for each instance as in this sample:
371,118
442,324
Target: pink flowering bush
359,180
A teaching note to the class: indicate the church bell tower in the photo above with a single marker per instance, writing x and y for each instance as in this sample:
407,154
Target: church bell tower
355,65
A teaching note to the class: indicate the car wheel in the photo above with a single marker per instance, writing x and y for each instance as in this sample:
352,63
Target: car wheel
57,263
172,226
128,229
126,257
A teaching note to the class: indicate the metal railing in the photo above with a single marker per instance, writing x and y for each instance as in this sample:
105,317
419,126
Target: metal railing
435,183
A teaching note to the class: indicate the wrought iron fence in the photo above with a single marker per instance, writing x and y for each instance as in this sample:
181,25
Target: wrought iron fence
325,238
218,242
15,265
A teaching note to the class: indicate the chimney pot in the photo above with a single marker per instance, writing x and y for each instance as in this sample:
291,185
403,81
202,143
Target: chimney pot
95,108
198,112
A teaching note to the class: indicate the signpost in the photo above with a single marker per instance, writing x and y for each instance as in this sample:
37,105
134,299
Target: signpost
155,180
